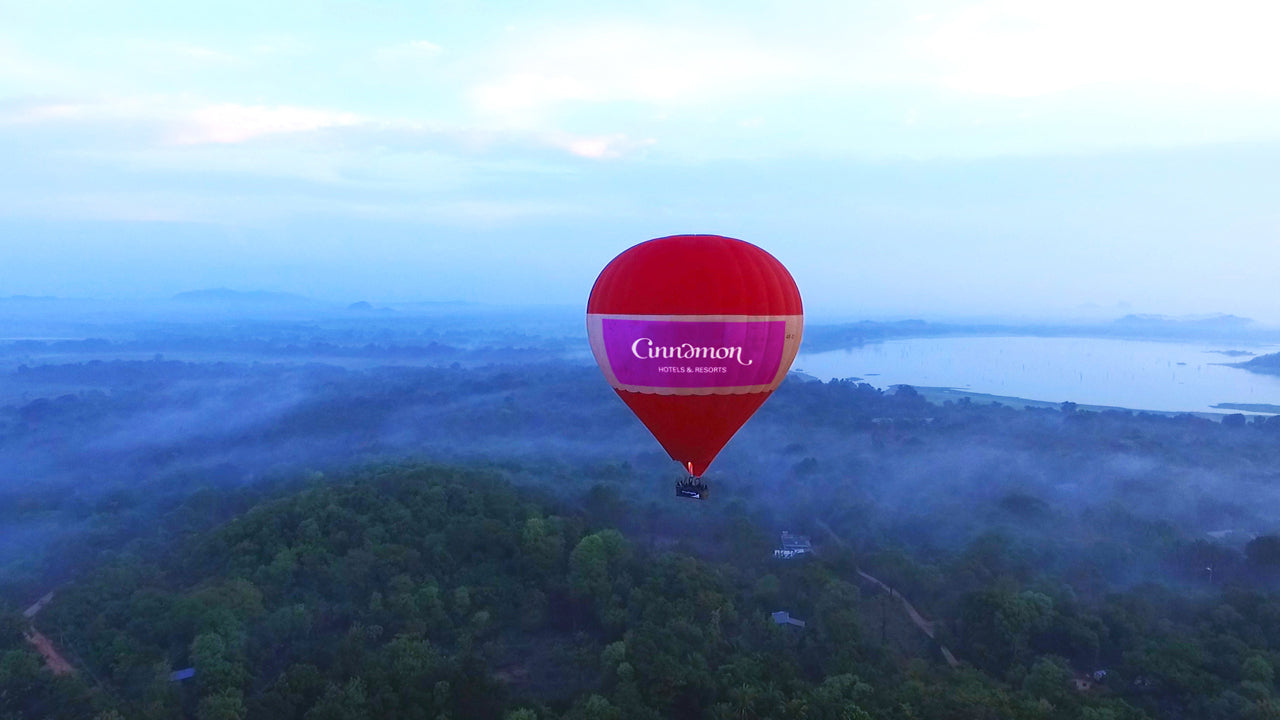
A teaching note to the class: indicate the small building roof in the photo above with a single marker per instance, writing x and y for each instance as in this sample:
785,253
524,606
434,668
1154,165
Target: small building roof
782,617
38,606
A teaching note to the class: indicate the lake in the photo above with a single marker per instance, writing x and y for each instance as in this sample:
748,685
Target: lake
1137,374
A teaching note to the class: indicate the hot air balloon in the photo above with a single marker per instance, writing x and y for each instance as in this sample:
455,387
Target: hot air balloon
694,332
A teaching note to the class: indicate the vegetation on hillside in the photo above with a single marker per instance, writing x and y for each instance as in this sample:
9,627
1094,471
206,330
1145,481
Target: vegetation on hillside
422,592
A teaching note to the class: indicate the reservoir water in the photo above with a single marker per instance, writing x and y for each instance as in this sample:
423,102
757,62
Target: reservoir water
1136,374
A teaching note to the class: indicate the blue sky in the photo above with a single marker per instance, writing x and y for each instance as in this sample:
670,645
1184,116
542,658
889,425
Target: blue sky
931,159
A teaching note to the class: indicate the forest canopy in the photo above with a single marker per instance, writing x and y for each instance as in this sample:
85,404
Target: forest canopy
411,591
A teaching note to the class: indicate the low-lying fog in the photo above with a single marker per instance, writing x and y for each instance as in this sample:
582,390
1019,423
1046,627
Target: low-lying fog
125,413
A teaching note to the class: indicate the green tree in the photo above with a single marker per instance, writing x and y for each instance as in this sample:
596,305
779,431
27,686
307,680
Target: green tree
542,544
227,704
1050,679
997,626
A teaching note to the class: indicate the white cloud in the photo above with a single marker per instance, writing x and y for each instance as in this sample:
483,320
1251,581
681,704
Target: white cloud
1023,49
526,91
624,62
181,121
199,53
234,123
153,127
21,69
415,49
71,111
42,112
596,147
409,55
280,45
1009,48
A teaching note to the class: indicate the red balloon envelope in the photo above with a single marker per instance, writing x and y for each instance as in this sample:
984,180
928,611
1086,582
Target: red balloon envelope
694,332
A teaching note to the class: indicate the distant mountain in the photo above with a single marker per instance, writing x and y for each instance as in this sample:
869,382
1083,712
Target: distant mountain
29,299
437,304
1216,320
1269,364
368,308
223,296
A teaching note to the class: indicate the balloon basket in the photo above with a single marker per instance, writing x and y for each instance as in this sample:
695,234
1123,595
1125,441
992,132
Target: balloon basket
692,488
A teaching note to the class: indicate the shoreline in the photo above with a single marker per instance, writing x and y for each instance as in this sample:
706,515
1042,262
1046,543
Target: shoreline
938,395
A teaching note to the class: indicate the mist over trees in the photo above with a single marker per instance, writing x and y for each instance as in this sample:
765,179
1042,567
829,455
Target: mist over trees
166,482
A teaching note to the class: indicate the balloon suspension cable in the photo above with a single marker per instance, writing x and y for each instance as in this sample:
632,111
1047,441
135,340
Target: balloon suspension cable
691,487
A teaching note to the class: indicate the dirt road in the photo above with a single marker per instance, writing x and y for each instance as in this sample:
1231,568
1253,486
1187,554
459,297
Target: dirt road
52,658
920,621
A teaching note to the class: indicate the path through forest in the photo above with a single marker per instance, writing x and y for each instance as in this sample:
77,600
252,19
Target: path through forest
920,621
52,657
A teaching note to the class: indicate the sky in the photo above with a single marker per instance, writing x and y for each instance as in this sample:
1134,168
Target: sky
985,158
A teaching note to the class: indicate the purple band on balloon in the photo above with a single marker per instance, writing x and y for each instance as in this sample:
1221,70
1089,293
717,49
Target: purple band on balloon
694,354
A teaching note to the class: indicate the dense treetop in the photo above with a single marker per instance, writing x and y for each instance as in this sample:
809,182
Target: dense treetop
423,592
